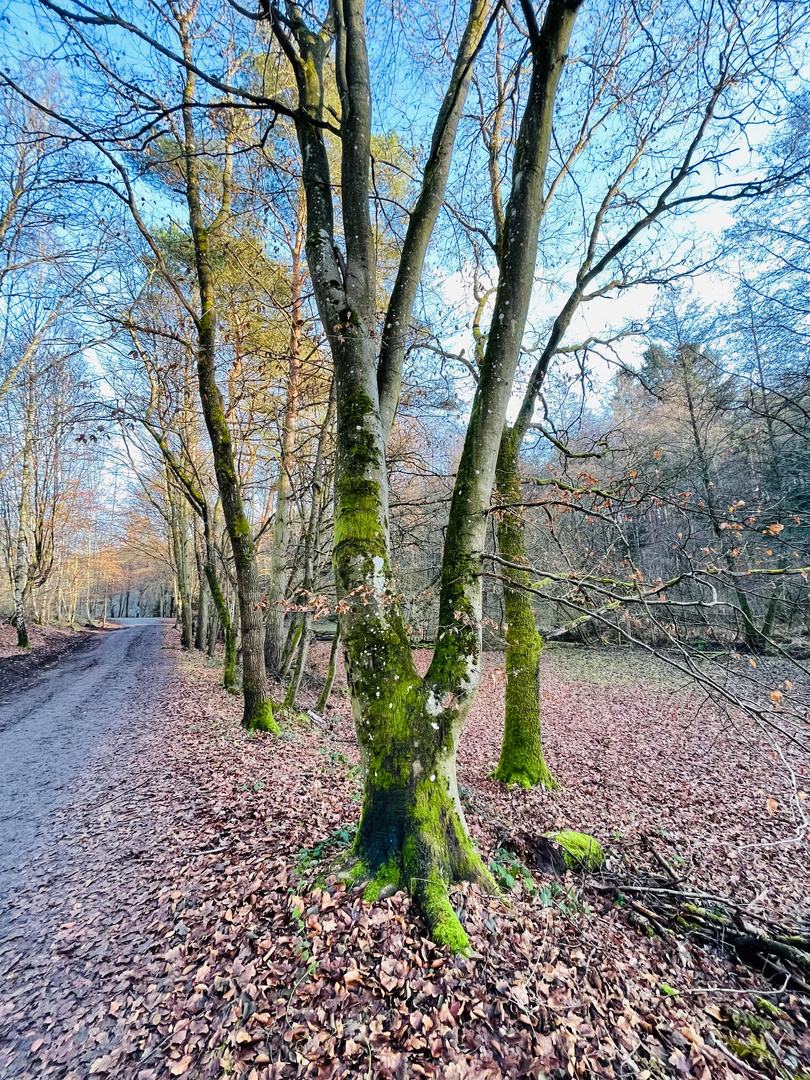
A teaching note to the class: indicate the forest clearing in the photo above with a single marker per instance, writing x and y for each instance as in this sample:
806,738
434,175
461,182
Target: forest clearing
405,539
175,924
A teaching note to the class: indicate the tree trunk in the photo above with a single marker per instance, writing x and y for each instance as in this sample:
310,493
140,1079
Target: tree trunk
302,656
222,618
310,550
412,829
323,700
20,574
290,645
753,637
277,583
213,634
521,760
21,562
201,631
258,713
180,544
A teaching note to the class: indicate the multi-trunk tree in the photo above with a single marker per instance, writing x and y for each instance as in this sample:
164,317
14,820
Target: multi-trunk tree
412,829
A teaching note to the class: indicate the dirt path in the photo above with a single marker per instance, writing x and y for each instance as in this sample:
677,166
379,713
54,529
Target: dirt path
169,924
50,728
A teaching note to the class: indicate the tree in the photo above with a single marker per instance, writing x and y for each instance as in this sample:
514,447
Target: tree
675,129
121,139
412,827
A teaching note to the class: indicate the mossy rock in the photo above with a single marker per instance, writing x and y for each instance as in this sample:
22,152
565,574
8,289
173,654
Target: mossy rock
768,1009
579,851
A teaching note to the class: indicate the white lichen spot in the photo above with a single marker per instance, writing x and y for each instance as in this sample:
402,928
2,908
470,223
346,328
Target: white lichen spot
378,581
433,706
432,777
470,679
434,725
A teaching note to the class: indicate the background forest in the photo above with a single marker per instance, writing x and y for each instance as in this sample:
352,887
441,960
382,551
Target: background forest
661,396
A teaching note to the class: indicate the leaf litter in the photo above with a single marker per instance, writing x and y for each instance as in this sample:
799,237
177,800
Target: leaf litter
180,923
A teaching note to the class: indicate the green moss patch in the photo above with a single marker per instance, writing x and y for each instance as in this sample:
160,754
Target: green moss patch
579,851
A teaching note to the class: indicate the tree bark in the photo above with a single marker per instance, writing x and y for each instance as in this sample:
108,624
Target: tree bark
277,583
521,761
326,692
21,562
201,630
310,549
412,829
258,713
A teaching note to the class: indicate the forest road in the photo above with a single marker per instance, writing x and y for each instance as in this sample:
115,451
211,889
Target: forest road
50,728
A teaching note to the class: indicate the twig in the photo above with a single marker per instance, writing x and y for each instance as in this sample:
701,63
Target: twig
718,1044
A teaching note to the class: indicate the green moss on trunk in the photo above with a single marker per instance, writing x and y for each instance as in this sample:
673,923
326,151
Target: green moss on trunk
521,761
224,616
261,719
229,664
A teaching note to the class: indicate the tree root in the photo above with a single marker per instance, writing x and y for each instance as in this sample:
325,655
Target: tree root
261,719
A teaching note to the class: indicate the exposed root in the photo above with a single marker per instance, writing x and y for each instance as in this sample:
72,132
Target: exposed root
525,776
426,866
673,906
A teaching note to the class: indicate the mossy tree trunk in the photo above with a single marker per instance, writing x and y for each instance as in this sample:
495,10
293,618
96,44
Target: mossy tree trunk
257,709
186,481
412,829
521,761
223,619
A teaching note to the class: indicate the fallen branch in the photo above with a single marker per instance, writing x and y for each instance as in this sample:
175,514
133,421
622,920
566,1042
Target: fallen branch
668,908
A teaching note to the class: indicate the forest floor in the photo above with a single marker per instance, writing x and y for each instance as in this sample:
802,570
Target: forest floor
173,927
48,645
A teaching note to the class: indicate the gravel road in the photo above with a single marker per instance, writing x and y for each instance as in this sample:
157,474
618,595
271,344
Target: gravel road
50,728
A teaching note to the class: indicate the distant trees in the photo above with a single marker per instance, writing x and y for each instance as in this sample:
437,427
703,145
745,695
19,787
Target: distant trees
271,353
44,474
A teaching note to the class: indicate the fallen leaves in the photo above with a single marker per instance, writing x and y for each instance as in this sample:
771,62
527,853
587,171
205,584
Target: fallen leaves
216,952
